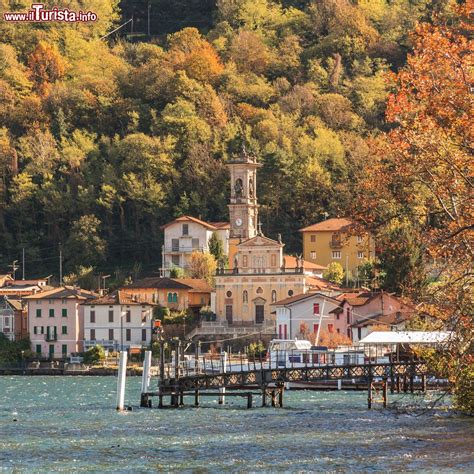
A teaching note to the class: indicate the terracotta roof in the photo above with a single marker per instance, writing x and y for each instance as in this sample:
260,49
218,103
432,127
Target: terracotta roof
321,284
14,303
329,225
208,225
290,262
117,297
384,319
197,285
300,297
157,282
63,292
221,225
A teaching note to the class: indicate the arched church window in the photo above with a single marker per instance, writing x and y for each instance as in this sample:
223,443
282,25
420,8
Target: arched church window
259,290
239,187
274,296
245,297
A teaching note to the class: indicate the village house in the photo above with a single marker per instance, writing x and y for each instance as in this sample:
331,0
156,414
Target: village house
186,235
370,311
56,321
309,313
21,288
177,294
118,321
335,240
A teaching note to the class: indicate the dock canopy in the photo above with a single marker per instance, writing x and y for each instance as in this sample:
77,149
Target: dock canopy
406,337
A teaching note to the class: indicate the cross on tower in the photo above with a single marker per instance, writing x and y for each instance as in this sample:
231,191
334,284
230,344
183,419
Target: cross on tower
260,227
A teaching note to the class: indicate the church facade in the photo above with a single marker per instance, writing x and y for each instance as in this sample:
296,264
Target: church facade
257,275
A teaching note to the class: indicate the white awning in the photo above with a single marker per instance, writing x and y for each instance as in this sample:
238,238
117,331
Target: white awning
406,337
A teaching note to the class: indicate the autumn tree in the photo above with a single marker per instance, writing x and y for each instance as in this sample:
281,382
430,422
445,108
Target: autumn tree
334,273
202,265
421,176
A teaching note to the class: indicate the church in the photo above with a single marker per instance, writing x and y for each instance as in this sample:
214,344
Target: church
259,273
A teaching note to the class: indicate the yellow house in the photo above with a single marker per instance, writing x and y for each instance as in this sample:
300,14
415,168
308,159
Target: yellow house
337,240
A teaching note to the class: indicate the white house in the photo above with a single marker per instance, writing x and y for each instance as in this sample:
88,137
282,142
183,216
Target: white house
186,235
117,321
300,315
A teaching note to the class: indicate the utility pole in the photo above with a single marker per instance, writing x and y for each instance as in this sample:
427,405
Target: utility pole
103,279
149,7
347,271
23,263
60,264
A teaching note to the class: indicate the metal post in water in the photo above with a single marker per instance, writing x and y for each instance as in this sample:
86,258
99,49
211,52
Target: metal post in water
145,379
224,370
122,374
339,384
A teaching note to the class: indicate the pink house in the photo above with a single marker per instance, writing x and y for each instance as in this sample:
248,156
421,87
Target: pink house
56,321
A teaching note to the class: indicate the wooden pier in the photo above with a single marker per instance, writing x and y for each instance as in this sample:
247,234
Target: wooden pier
268,380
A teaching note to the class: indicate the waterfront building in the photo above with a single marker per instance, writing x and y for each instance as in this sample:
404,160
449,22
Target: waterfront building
118,321
177,294
56,321
13,318
186,235
309,313
370,311
336,240
20,288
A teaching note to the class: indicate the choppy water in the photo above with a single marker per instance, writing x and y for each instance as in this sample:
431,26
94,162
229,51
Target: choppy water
70,424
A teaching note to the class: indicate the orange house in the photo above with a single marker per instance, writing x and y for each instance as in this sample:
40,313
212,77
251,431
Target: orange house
174,293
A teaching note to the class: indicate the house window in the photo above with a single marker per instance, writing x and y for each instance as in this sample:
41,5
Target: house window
195,243
315,308
64,350
290,292
359,333
349,333
313,238
338,330
360,254
128,316
175,297
331,328
143,316
42,329
92,334
245,297
143,334
337,316
185,229
360,238
244,261
92,316
35,330
336,254
38,313
315,328
312,255
175,260
111,315
274,296
64,312
170,297
111,334
128,334
63,329
51,312
175,245
348,315
38,349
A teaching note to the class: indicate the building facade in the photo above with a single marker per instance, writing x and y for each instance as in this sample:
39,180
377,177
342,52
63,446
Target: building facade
335,240
177,294
56,321
117,322
186,235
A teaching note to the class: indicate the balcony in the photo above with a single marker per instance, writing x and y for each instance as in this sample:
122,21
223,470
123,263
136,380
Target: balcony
50,337
259,271
335,244
181,249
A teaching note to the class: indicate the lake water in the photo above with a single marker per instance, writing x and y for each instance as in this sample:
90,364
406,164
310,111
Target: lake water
70,424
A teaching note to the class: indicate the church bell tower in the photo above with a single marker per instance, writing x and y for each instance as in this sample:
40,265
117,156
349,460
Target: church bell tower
243,207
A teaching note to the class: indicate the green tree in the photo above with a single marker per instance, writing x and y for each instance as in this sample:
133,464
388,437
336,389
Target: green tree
334,273
216,248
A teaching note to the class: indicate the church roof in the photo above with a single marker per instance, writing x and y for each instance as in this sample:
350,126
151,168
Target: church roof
207,225
333,224
260,240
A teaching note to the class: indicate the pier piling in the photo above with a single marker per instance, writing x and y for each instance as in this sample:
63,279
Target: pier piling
122,374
